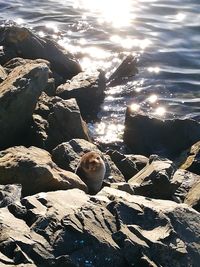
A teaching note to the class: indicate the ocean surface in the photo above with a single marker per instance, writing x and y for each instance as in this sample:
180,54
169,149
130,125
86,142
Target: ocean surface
164,35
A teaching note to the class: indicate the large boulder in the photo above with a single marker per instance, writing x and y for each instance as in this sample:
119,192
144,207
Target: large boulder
193,196
19,93
18,61
9,194
154,180
184,180
113,228
146,135
33,168
56,121
88,90
129,165
21,42
189,159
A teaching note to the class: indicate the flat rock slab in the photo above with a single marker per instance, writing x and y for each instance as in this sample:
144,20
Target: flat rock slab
33,168
19,93
112,228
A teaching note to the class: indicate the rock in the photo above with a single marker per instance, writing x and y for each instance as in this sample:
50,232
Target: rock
19,93
24,43
67,156
124,71
33,168
189,159
3,74
88,90
16,62
113,228
9,194
129,165
154,180
193,196
184,180
145,135
56,121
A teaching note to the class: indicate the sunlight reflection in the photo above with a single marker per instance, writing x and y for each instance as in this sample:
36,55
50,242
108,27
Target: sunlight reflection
152,98
134,107
41,34
129,43
180,17
160,111
118,13
52,26
154,69
108,133
19,21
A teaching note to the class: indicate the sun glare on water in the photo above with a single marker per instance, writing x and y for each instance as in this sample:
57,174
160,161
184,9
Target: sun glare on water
118,13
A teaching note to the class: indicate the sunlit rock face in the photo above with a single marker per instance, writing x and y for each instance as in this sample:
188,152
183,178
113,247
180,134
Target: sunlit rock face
113,228
146,135
56,120
88,90
33,168
19,93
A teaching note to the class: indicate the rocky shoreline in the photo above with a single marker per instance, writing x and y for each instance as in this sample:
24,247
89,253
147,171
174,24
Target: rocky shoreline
147,212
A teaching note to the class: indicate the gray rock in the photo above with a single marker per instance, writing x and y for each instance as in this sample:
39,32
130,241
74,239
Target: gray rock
88,90
67,156
33,168
112,228
16,62
154,180
24,43
9,194
124,71
129,165
19,93
3,74
56,121
193,196
184,180
189,159
145,135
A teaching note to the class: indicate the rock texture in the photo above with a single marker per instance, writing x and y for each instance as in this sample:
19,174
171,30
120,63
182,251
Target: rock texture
189,159
88,90
19,93
154,180
33,168
129,165
113,228
3,74
146,136
56,121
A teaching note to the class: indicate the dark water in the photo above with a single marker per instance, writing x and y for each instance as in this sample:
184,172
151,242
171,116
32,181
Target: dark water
163,34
